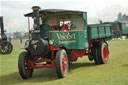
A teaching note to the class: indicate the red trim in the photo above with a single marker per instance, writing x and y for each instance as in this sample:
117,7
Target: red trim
28,67
29,27
43,66
77,53
52,65
33,64
53,48
64,63
52,54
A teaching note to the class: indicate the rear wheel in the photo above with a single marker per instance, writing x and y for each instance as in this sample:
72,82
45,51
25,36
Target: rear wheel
24,66
61,62
95,55
103,53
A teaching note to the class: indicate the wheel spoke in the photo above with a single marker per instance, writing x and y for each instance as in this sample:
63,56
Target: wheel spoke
64,63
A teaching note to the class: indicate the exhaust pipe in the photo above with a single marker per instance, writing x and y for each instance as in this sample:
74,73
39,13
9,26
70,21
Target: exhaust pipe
36,17
2,35
1,25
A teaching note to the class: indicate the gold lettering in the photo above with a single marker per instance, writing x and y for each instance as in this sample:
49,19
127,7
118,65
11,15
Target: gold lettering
66,36
74,36
58,36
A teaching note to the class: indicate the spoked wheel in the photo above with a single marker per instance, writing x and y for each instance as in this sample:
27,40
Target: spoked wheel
62,64
103,53
5,47
24,65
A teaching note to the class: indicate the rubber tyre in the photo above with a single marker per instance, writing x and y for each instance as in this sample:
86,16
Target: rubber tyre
95,55
23,58
8,45
10,48
60,65
103,53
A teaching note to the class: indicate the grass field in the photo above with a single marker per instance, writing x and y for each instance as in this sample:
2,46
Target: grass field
82,72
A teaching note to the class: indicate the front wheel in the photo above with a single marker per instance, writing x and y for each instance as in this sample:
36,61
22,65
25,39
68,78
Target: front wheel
24,66
61,62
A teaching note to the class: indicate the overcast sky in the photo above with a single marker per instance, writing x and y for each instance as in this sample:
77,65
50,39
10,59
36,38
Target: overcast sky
105,10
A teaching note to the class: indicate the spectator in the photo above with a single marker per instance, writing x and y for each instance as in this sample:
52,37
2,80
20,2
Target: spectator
20,39
10,39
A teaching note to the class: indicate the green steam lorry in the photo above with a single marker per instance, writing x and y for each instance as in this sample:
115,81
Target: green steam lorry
5,46
60,37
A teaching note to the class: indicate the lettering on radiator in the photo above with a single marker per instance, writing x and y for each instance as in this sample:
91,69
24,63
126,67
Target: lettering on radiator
66,36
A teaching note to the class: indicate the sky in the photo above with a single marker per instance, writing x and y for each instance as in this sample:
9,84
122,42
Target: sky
106,10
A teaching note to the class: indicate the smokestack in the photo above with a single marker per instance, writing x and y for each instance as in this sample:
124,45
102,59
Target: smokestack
1,25
36,17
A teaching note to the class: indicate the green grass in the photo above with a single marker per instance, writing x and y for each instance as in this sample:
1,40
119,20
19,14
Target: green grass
82,72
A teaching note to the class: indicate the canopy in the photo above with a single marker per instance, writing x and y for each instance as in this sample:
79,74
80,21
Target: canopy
54,11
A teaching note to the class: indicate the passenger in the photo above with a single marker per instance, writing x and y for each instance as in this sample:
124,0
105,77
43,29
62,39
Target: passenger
20,39
65,28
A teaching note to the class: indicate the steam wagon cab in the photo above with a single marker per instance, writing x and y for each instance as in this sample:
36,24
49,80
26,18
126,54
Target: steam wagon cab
58,38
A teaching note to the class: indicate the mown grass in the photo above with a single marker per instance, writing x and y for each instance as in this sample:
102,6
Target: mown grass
82,72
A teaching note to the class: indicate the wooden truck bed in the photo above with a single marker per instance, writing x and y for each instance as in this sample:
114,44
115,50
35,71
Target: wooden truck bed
97,31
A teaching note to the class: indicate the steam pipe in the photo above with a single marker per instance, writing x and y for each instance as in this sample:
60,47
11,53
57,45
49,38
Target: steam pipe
36,17
1,25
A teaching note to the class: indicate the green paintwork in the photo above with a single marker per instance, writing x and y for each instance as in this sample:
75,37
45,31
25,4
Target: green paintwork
76,38
97,31
71,39
108,31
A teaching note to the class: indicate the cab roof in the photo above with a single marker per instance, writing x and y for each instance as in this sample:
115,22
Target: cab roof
55,11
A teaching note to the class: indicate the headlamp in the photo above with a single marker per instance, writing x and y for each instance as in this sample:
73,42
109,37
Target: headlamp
26,43
51,42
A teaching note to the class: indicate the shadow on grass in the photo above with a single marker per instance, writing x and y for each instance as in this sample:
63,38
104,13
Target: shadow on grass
10,79
39,76
125,65
79,65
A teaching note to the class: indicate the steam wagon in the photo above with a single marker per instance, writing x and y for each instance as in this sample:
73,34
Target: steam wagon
5,46
58,38
119,28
